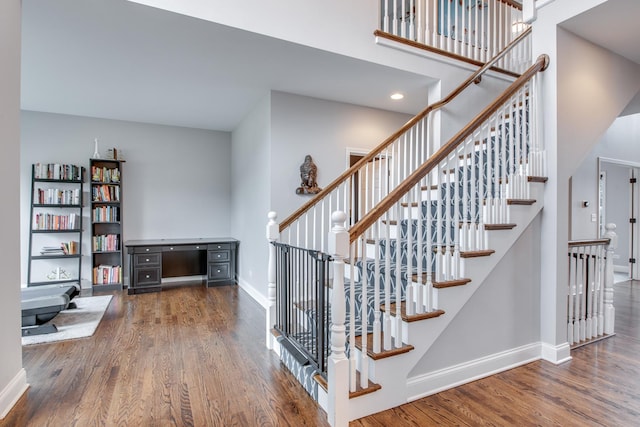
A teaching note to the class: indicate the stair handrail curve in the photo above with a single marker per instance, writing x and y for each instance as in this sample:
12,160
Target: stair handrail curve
394,197
473,78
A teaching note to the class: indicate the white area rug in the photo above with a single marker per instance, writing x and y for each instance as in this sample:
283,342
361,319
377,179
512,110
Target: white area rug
75,323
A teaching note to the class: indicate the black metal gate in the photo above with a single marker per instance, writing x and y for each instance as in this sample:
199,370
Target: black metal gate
302,301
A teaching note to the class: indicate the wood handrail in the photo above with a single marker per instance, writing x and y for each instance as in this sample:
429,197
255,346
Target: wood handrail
363,161
432,162
441,52
588,242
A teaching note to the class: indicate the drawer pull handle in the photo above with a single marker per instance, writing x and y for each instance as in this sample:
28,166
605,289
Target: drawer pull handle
218,255
219,246
147,260
171,249
147,276
218,271
147,249
197,247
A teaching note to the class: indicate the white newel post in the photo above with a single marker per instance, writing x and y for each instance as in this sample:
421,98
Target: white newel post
273,234
609,309
338,364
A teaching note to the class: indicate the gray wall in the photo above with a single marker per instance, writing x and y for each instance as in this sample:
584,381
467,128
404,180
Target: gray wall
618,144
323,129
268,148
503,314
176,181
251,172
12,376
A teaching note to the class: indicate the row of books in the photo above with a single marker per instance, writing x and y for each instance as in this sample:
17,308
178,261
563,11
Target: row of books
106,243
105,193
106,214
57,171
55,196
46,221
103,174
65,248
107,274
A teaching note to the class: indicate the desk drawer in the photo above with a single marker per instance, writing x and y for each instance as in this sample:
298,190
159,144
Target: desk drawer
147,260
218,256
219,271
176,248
216,246
145,249
147,276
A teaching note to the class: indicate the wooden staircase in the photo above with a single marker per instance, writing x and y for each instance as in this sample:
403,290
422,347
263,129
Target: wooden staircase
418,252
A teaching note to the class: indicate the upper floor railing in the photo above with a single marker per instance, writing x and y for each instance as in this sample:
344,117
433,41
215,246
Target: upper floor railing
472,29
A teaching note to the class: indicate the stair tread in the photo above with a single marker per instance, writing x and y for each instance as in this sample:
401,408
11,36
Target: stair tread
322,381
521,201
413,317
499,226
537,178
440,284
476,254
372,387
405,348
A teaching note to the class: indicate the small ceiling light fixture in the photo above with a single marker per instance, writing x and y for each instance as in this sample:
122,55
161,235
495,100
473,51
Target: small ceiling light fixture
397,96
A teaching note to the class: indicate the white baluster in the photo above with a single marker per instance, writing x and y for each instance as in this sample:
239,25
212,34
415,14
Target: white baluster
338,364
609,310
364,318
273,234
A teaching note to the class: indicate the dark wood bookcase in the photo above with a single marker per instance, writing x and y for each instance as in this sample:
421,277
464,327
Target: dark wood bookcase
55,224
106,224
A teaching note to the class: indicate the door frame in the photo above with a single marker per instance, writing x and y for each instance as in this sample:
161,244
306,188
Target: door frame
634,210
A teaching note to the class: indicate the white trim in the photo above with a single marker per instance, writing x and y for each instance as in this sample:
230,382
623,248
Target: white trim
556,354
12,392
253,293
382,41
542,3
454,376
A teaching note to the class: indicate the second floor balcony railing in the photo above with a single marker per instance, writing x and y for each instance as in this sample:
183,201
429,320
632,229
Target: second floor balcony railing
473,29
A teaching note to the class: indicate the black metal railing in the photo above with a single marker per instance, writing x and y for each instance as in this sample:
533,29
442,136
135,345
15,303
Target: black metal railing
302,295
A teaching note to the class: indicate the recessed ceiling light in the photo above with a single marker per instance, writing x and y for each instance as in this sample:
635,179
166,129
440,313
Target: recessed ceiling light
397,96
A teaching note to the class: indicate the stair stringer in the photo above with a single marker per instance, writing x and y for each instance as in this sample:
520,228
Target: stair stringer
392,373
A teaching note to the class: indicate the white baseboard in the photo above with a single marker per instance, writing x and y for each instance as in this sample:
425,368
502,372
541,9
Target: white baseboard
253,293
12,392
556,354
453,376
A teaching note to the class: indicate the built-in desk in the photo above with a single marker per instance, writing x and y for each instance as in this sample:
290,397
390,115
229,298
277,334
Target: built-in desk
152,260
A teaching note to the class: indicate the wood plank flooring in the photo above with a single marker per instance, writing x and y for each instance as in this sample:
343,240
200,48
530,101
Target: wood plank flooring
187,356
600,386
192,356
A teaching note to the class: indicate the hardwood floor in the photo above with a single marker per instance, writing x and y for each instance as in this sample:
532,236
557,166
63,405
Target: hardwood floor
192,356
186,356
600,386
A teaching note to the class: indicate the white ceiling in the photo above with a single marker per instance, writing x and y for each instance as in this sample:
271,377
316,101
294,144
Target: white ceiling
120,60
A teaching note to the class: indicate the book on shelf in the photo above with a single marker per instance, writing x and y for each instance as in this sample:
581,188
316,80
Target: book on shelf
57,171
55,196
65,248
104,174
107,274
52,250
106,243
105,193
47,221
106,214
